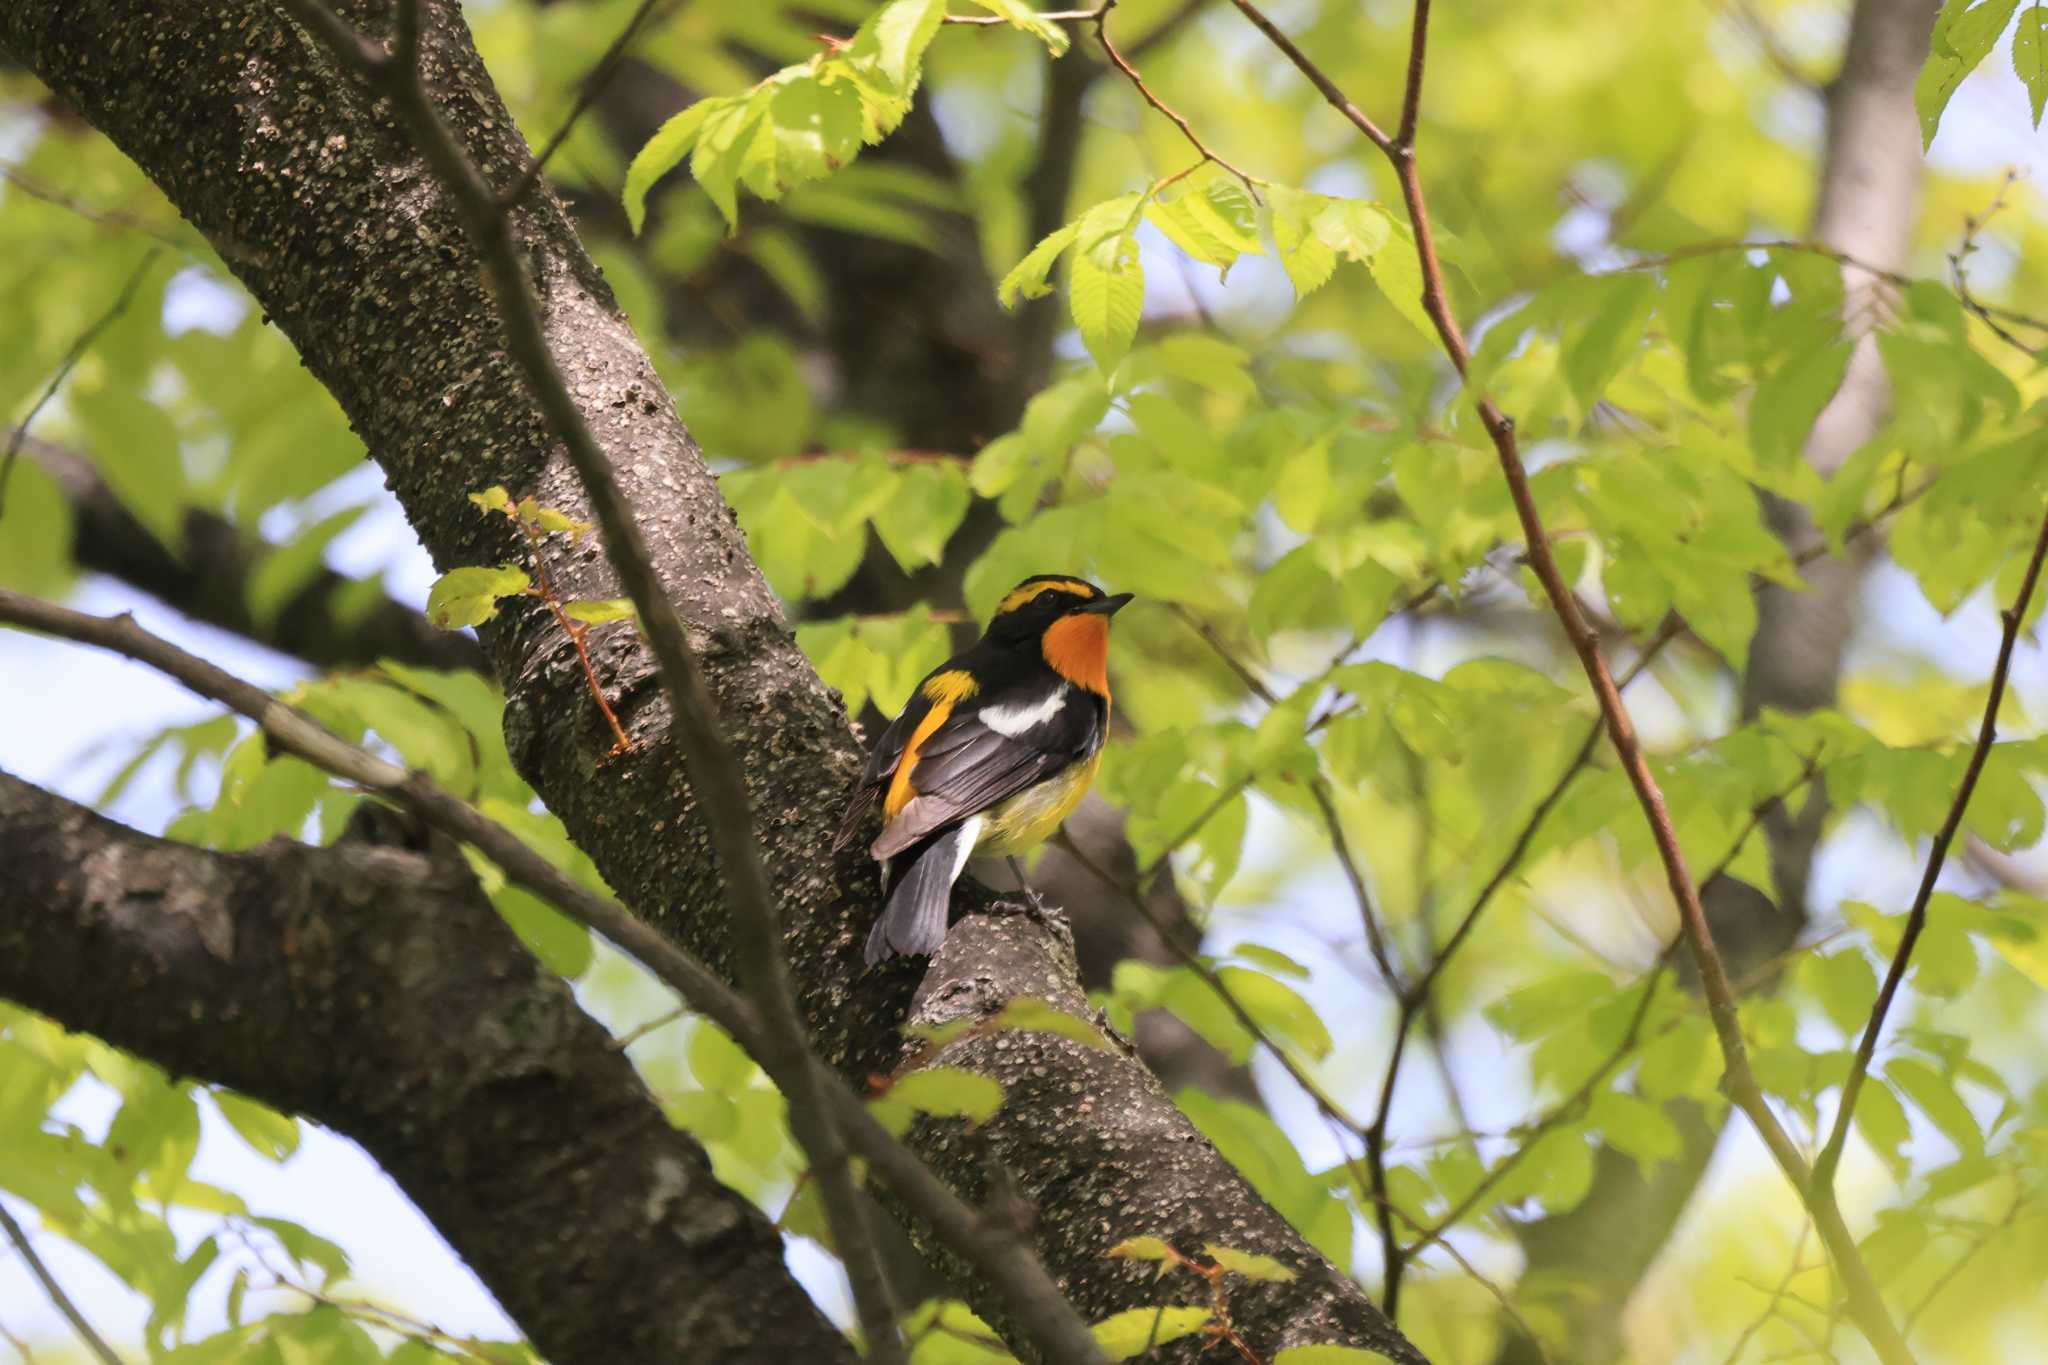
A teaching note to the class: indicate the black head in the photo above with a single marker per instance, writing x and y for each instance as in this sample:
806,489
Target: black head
1023,615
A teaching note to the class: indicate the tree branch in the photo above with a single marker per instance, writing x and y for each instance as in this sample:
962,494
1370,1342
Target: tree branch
208,580
1916,919
1866,1304
24,1248
395,320
296,733
371,986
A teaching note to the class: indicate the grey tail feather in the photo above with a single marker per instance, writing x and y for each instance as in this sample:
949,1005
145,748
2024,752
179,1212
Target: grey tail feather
914,919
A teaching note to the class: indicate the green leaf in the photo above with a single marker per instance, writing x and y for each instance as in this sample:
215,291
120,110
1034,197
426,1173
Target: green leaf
1963,36
1308,260
949,1092
1133,1332
494,499
1786,404
469,596
1329,1355
562,945
598,612
1027,278
1107,295
1935,1096
1143,1249
1028,1014
1278,1010
35,533
662,153
1022,16
928,505
1881,1119
293,564
1249,1264
135,448
269,1134
2030,57
307,1248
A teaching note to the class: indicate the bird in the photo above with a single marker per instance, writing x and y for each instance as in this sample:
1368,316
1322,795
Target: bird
993,750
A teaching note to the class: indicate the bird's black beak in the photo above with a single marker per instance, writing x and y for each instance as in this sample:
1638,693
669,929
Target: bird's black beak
1106,606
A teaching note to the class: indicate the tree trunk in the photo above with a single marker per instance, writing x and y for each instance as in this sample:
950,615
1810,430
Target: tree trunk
314,197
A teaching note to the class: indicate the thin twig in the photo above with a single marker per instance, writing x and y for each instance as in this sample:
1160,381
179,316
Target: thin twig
1777,1296
1916,919
1056,16
1739,1079
94,1342
113,218
79,347
590,87
1117,60
1972,225
986,1243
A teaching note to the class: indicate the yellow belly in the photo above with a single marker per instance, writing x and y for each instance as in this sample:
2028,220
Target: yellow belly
1029,818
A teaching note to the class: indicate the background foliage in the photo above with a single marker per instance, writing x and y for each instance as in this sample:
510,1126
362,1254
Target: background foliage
1342,704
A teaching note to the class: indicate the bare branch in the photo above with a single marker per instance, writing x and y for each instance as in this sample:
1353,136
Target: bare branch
94,1342
76,353
981,1242
1865,1301
1916,919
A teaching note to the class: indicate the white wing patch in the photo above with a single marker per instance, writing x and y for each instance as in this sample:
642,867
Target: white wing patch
1012,721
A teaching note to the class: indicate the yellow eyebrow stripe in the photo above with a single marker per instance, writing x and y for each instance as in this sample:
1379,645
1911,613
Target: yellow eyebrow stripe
1019,596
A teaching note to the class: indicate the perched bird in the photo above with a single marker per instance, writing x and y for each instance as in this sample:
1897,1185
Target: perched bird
993,750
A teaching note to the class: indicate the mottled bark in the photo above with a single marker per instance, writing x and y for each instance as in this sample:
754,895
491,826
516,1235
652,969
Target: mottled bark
328,621
317,201
370,985
1866,206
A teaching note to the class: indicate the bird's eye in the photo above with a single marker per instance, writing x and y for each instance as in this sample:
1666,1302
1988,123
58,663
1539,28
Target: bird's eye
1042,598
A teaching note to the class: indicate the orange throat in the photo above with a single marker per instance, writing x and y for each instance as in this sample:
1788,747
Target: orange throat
1077,647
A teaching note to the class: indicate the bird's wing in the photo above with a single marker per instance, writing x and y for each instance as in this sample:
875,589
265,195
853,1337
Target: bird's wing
983,754
881,766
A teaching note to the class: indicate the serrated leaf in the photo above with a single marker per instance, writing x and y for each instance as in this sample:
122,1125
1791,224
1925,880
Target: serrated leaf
1143,1249
493,499
1135,1331
1249,1264
1028,1014
596,613
2030,57
269,1134
1107,297
1022,16
661,154
949,1092
469,596
1935,1096
1027,278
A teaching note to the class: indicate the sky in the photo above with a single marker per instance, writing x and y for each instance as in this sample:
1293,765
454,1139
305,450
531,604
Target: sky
70,709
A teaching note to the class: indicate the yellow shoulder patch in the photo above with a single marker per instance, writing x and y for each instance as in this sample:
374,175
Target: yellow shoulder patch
951,686
1019,596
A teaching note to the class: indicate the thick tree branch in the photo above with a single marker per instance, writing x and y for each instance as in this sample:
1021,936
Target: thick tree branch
295,733
323,622
359,254
373,988
713,769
